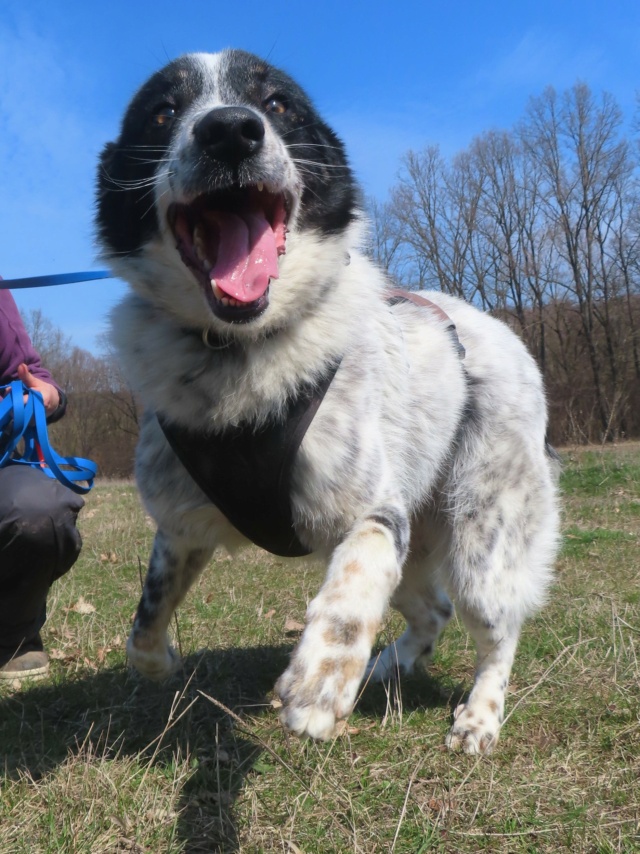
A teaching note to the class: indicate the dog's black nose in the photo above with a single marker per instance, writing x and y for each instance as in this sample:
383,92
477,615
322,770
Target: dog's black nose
230,133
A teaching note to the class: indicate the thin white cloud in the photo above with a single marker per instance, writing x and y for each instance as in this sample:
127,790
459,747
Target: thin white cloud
48,150
538,59
48,154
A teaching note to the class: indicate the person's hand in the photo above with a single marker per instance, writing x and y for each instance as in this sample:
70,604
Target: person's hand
50,394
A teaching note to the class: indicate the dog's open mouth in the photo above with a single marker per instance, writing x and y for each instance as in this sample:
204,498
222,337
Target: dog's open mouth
231,241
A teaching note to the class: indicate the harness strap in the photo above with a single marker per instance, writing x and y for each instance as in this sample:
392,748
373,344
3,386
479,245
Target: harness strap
27,420
396,296
246,472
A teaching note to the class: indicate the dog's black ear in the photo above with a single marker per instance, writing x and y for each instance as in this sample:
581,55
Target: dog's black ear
103,201
124,220
331,195
105,170
108,203
107,156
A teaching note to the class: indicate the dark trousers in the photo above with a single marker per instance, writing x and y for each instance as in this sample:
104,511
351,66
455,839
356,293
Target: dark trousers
39,542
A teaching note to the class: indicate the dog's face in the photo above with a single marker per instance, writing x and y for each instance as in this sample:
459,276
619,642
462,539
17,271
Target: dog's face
221,164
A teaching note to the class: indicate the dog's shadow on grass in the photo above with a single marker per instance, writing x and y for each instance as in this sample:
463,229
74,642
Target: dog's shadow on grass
113,712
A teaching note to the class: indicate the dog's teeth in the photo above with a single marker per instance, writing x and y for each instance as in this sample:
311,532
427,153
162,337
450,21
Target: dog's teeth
260,186
222,297
198,243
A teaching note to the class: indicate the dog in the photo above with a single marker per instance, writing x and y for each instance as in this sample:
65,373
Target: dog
421,473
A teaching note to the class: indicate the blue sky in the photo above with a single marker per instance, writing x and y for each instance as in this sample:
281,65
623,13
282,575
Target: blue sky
387,76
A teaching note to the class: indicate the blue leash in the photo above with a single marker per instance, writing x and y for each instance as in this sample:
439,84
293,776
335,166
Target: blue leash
28,421
55,279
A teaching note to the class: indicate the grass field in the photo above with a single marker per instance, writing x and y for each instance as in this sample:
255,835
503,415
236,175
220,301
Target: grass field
98,760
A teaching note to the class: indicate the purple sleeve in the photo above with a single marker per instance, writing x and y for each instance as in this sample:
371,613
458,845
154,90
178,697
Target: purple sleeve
15,344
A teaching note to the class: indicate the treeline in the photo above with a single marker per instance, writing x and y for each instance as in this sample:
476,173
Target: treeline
539,225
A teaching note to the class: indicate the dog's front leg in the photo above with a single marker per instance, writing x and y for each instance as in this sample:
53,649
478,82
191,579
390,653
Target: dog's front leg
173,567
320,685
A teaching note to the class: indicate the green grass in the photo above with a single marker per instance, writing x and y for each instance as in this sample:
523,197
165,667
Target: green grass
600,474
98,760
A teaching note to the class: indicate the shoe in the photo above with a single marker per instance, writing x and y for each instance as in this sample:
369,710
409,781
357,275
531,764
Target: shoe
29,661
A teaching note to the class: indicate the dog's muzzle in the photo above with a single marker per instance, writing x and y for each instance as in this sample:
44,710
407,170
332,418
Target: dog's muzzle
231,238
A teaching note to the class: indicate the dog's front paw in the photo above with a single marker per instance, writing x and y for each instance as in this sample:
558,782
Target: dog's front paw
156,662
475,730
316,694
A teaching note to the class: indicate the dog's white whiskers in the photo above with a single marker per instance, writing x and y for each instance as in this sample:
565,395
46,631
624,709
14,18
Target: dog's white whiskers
321,145
153,201
298,128
124,186
150,161
318,166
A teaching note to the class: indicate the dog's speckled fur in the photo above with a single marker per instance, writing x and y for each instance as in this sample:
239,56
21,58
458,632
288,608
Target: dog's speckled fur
422,477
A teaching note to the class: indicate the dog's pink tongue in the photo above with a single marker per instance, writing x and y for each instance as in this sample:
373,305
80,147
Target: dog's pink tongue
247,255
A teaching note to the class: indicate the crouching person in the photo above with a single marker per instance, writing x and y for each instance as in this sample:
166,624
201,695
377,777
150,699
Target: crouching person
39,540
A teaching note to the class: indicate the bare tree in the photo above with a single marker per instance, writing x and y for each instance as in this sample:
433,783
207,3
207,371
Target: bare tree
51,343
384,236
575,142
102,417
540,225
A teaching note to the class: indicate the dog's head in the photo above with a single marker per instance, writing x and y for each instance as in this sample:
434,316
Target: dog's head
221,166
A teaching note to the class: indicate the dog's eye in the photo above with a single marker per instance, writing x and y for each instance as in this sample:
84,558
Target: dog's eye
275,104
163,116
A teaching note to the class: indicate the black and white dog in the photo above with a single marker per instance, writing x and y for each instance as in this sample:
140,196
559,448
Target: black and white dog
325,415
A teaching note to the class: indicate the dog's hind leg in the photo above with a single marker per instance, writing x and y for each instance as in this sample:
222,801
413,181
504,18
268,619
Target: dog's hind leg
503,546
426,608
320,685
477,722
173,567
